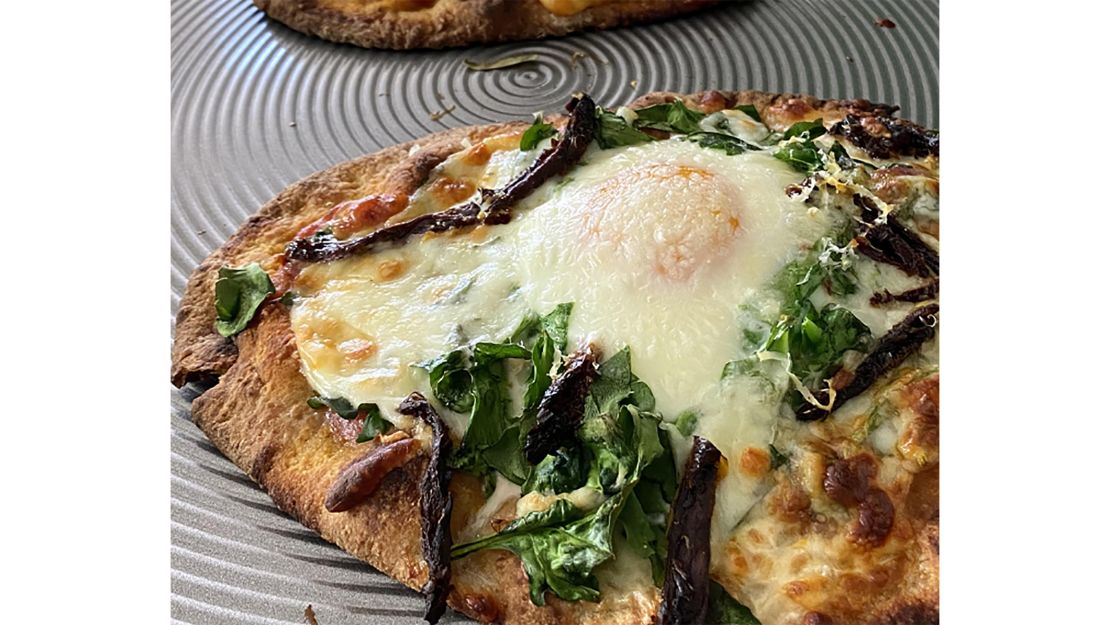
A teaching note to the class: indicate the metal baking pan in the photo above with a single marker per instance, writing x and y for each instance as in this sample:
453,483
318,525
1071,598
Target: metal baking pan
257,106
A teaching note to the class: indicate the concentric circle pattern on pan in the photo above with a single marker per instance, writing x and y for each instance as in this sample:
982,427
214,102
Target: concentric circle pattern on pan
257,106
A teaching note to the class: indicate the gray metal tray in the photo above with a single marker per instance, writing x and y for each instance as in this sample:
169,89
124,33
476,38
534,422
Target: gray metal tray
257,106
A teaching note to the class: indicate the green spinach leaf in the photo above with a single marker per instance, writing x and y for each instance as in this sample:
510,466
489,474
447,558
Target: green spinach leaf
686,422
613,131
560,551
718,141
375,423
536,133
805,130
624,455
669,117
815,339
750,111
804,157
561,472
474,380
239,293
450,379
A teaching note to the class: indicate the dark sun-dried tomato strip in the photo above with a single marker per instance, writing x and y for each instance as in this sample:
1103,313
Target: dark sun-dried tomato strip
920,294
495,207
686,585
892,243
902,138
435,508
892,349
562,407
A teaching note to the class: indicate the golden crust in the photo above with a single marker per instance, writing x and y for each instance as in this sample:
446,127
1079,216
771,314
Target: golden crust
457,22
257,416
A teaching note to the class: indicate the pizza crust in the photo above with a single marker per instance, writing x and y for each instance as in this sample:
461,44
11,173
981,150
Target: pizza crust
257,416
458,22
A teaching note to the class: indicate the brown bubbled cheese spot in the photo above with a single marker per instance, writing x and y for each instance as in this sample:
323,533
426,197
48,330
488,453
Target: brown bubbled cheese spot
391,269
847,481
449,191
923,498
755,462
363,213
477,155
920,441
713,101
789,502
816,618
895,183
875,520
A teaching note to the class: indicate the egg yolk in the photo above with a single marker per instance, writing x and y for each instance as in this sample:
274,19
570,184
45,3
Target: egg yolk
672,221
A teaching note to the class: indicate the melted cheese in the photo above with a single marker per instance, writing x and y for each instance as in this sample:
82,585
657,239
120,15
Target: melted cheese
659,246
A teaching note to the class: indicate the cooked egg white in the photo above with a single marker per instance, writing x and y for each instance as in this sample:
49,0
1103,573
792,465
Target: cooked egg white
659,246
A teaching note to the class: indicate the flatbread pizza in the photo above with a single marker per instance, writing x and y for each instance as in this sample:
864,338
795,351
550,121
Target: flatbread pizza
402,24
673,362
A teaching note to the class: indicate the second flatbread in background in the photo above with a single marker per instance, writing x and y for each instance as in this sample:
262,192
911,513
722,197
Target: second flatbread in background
405,24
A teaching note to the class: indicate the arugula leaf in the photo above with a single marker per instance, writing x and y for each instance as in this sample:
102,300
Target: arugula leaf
375,422
613,131
341,406
555,324
489,414
719,141
537,132
670,117
816,340
750,111
831,267
613,384
644,537
724,610
239,293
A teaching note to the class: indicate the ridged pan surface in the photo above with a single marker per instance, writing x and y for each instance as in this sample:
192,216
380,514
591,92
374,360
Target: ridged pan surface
257,106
